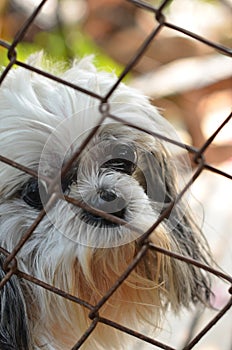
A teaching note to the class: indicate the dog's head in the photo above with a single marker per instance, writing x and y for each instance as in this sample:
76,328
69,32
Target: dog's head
120,180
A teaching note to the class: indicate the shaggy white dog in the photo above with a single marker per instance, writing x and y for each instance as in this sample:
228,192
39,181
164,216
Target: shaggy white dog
124,173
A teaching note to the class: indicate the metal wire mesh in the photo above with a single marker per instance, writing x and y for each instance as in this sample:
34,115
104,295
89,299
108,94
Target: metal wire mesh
10,263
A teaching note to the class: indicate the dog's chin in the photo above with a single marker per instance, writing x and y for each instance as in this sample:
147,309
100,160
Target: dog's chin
141,295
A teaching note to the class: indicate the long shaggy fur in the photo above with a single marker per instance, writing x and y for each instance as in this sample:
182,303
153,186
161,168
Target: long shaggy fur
42,124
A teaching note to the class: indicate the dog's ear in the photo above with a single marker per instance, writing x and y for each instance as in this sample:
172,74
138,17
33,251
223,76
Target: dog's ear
160,176
14,332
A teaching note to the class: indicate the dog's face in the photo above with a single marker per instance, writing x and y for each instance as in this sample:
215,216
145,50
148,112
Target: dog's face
121,171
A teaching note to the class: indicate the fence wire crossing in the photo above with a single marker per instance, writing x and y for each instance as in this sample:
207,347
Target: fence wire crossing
198,155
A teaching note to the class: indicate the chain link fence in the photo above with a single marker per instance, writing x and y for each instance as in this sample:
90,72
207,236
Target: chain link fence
197,154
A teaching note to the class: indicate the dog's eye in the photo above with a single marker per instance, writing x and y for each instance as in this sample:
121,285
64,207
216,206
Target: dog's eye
123,158
32,193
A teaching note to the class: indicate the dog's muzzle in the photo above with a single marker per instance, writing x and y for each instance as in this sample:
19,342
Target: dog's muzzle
107,201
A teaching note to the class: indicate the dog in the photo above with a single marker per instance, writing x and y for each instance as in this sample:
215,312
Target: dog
119,180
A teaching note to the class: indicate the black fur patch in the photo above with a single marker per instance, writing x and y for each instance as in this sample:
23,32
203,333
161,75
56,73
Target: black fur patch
14,333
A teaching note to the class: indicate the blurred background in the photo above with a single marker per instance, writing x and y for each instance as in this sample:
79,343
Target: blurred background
189,81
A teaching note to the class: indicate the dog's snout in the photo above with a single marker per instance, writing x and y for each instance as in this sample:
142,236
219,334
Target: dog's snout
107,195
109,201
106,200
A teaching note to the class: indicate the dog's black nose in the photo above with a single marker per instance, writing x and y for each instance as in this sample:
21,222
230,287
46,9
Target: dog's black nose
108,201
114,205
107,195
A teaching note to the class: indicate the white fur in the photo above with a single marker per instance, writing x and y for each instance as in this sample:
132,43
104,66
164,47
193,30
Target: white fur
42,124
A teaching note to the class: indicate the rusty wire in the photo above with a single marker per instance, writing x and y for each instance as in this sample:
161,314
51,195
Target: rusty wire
10,264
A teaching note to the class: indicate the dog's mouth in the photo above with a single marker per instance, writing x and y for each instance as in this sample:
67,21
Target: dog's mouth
99,221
